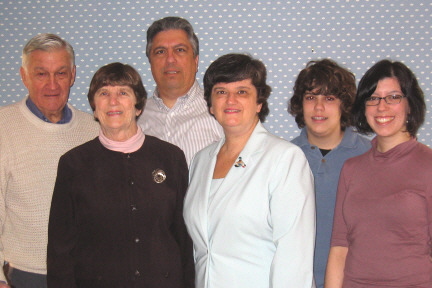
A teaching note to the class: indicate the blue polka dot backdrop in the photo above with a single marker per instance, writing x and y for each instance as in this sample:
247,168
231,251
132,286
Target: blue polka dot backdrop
285,35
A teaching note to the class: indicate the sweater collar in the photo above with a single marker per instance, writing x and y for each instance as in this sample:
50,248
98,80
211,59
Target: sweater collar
396,152
130,145
66,113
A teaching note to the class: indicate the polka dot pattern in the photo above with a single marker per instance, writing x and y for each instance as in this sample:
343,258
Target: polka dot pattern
285,35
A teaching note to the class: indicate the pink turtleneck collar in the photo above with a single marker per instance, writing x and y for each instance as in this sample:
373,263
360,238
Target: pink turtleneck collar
130,145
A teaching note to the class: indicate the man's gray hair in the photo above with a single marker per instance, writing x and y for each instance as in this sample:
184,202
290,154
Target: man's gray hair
172,23
46,42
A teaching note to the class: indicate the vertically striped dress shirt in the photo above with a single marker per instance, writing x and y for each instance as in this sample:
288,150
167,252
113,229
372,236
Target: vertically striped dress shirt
188,124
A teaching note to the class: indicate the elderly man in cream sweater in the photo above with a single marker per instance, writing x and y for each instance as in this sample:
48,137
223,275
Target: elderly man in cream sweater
34,133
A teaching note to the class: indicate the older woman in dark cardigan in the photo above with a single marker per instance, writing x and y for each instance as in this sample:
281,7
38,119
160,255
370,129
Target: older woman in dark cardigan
116,215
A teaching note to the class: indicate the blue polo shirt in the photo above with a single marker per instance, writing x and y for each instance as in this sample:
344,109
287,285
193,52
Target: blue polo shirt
326,170
66,116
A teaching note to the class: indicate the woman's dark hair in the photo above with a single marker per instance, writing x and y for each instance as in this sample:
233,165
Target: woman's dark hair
323,77
238,67
114,74
409,87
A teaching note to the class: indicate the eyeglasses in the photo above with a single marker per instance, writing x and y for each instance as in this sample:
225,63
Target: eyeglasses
389,99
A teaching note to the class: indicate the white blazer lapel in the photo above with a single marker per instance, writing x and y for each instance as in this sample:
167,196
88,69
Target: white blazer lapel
236,174
203,171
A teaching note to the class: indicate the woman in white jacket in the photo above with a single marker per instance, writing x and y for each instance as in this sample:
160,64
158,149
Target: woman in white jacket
250,206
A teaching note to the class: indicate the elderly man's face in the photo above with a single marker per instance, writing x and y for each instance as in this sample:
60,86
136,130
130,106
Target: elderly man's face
173,63
48,78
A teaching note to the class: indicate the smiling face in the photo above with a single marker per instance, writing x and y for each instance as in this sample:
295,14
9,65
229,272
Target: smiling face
388,121
116,112
173,63
322,116
48,77
234,105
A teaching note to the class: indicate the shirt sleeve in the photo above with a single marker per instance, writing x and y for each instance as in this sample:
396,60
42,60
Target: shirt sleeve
292,205
62,231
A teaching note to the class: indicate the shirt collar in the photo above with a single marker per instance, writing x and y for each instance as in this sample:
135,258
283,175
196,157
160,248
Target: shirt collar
189,97
348,140
302,140
66,115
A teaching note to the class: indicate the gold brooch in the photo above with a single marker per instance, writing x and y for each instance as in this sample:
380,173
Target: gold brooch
159,175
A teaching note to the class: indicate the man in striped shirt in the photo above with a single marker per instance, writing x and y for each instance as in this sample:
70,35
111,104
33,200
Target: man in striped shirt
177,111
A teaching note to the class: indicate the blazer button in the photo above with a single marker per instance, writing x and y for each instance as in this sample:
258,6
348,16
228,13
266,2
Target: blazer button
137,273
166,275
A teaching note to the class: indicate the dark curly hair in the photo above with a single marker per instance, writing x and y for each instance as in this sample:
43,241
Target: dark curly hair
409,87
238,67
324,77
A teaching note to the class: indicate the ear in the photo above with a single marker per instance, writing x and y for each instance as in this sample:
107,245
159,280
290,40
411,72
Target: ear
24,78
196,63
259,108
73,75
211,110
95,115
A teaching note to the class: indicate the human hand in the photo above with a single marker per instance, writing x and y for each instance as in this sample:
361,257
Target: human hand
4,285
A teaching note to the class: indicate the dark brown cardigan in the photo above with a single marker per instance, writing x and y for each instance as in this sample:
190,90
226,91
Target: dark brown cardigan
112,225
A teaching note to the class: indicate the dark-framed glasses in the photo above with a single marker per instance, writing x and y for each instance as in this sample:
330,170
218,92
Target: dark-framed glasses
389,99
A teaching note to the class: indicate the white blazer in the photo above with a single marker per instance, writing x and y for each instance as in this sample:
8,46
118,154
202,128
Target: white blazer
259,229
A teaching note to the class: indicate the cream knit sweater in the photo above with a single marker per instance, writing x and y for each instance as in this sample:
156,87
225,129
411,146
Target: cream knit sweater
29,152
